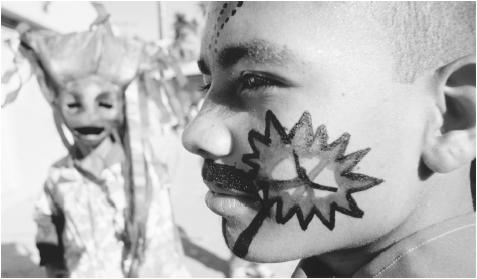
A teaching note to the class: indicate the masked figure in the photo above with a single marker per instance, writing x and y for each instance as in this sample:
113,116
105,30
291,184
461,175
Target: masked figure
105,209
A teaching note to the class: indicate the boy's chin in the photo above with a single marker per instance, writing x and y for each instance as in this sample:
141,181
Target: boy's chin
272,243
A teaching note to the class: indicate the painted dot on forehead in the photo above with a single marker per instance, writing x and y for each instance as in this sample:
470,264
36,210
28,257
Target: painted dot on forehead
227,11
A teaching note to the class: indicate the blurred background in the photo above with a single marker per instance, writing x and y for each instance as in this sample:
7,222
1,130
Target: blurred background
30,142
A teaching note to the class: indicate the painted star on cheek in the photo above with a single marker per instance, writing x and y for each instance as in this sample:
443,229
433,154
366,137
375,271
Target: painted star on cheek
303,174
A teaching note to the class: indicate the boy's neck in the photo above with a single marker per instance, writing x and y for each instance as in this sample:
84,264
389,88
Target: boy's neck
445,196
345,263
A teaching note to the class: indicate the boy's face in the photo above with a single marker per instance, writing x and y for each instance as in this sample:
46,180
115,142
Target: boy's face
92,108
291,192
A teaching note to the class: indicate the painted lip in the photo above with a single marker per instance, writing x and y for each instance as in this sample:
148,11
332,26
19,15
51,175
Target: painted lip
228,177
232,192
221,189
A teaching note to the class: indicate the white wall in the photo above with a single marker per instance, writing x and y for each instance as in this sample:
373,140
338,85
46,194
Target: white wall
29,145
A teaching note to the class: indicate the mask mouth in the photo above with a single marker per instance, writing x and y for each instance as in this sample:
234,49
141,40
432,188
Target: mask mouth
89,130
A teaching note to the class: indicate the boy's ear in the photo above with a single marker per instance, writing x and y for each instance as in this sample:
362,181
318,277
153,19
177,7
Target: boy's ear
450,141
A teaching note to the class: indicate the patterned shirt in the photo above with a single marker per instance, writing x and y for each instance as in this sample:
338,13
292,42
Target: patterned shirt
80,220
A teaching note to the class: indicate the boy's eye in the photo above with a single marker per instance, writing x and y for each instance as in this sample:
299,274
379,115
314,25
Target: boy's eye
206,83
105,105
204,87
252,81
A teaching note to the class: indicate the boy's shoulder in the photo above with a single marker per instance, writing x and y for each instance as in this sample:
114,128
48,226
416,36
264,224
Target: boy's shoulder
446,249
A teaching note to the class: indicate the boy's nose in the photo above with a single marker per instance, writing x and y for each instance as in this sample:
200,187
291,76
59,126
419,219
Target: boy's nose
207,137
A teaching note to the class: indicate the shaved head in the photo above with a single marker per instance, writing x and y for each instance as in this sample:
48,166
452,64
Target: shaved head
422,36
426,35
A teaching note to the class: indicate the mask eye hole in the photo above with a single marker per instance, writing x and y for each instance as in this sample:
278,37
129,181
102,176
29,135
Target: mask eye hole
105,105
73,105
71,101
105,100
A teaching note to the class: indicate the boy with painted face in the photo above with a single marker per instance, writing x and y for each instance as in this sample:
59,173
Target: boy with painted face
105,210
341,134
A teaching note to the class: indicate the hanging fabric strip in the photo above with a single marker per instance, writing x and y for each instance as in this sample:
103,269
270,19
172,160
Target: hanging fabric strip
138,187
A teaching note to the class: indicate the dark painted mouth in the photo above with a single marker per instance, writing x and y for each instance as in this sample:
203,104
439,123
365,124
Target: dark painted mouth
228,178
89,130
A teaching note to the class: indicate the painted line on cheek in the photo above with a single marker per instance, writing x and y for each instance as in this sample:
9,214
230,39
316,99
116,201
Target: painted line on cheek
244,240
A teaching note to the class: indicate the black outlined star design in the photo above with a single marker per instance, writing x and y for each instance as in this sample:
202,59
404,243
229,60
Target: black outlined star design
301,194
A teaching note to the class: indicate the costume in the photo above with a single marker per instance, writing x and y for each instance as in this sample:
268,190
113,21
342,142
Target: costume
80,219
446,249
107,212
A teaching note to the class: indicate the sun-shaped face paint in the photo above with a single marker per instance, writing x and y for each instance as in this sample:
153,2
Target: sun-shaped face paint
298,171
322,181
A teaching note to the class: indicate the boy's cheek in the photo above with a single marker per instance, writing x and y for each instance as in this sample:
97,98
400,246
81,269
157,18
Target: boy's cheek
377,221
296,243
384,207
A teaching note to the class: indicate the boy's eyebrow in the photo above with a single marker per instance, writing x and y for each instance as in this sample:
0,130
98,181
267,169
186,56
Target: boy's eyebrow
257,51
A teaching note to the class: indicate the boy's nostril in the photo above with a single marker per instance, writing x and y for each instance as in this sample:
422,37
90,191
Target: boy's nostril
203,153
